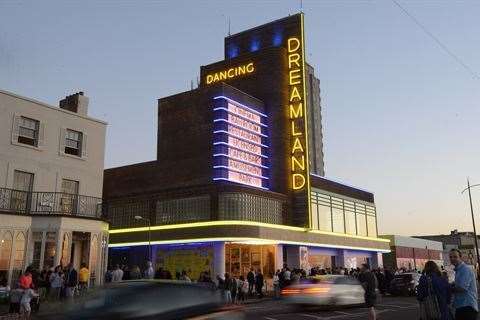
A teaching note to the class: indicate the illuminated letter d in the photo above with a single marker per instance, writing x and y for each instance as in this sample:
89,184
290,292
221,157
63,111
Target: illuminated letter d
298,181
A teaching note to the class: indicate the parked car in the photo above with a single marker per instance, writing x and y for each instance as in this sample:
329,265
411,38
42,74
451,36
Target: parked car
325,291
140,299
404,284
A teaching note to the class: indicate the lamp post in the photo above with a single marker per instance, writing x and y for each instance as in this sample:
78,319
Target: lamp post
469,187
149,236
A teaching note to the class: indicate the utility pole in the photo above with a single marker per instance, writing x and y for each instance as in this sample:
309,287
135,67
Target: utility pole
473,218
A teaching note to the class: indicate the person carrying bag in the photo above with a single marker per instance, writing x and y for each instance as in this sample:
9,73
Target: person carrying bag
433,294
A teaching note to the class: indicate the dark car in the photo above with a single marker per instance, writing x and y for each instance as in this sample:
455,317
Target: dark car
404,284
141,299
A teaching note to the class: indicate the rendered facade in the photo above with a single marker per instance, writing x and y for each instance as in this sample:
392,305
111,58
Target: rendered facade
51,175
238,182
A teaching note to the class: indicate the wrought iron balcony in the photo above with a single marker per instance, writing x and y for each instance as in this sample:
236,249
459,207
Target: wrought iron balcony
24,202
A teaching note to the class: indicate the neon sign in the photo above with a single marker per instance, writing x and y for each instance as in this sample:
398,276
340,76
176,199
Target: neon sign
230,73
297,109
239,144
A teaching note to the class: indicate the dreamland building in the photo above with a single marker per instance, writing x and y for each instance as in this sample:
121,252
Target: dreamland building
238,182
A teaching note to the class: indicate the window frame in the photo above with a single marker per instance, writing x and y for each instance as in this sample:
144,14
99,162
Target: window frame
67,148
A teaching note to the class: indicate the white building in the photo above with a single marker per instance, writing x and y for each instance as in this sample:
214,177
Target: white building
51,176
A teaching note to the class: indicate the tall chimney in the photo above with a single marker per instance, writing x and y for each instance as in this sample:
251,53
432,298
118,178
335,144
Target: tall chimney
76,102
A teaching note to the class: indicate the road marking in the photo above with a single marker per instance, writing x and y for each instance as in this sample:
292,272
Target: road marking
310,316
345,313
268,318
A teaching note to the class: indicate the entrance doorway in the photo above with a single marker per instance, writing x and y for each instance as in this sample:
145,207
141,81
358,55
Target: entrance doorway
80,250
240,258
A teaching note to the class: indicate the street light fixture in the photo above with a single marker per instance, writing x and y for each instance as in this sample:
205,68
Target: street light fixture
138,218
469,187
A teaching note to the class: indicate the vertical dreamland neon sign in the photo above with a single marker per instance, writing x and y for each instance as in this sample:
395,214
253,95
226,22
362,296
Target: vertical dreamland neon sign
297,111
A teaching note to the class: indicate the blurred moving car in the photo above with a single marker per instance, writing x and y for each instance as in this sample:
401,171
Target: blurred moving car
404,284
325,291
140,299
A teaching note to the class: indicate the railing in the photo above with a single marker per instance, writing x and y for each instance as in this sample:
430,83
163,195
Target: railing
24,202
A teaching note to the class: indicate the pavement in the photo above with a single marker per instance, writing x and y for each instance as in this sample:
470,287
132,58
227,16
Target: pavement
389,308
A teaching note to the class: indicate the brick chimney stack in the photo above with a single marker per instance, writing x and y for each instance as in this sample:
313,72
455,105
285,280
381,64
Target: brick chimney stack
76,102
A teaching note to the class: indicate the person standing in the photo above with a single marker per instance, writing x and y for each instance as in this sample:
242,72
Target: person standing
259,283
369,284
149,272
433,293
233,286
71,281
83,278
464,288
276,284
251,281
226,289
56,283
242,289
117,274
25,308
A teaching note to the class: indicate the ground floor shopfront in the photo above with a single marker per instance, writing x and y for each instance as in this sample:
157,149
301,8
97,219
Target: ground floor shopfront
235,248
44,242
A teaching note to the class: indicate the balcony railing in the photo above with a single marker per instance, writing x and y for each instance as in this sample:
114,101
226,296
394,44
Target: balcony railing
25,202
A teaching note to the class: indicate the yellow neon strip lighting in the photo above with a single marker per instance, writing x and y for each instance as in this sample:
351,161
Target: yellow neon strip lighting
243,240
242,223
309,204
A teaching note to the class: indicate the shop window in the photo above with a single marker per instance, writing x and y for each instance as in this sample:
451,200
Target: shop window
324,218
19,256
371,226
37,249
350,223
5,252
361,224
93,256
50,250
65,259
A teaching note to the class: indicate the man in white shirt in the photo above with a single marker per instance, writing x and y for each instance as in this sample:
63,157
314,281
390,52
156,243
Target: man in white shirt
117,274
149,272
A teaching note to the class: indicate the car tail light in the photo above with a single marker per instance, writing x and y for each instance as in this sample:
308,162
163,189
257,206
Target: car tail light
290,291
316,290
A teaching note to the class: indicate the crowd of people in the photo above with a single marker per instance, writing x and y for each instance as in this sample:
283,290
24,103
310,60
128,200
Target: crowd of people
438,298
52,284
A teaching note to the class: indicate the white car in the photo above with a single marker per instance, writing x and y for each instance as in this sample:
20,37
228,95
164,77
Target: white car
325,291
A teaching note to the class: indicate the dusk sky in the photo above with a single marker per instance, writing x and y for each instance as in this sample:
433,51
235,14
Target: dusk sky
400,115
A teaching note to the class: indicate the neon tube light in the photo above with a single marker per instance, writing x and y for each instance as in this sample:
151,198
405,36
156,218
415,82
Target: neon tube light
239,171
240,116
241,160
241,138
239,149
240,127
242,239
240,105
247,184
242,222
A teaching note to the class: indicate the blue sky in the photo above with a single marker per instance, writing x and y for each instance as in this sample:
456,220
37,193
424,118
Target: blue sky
400,116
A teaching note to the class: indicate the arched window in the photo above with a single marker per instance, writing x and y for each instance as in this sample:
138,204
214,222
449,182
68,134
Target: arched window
5,251
65,250
19,256
93,255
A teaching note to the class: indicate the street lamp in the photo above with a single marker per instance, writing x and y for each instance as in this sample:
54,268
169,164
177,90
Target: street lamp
469,187
149,236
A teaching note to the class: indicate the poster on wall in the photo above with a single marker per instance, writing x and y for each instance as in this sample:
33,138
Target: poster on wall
192,260
304,258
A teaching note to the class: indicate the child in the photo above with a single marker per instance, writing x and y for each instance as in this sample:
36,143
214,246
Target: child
25,308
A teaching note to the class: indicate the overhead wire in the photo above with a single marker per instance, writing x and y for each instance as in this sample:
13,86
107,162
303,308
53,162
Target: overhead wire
470,70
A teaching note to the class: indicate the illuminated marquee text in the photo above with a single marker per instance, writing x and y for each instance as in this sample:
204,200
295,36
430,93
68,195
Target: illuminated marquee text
230,73
296,114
